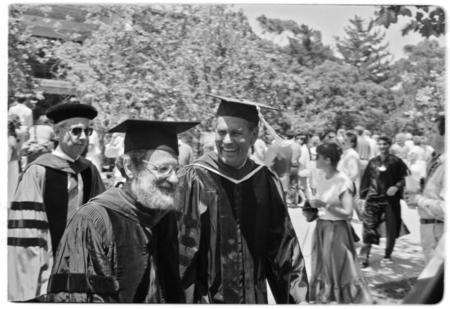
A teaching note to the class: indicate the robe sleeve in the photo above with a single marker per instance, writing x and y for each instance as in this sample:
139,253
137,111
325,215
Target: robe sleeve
189,232
168,259
286,271
30,256
83,268
97,182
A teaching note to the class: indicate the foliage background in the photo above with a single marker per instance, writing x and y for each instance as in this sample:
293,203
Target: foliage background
160,61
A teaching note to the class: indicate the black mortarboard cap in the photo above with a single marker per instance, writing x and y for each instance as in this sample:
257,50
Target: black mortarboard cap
64,111
150,134
239,108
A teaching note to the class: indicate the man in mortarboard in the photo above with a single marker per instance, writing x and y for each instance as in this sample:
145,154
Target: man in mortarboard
51,188
122,245
234,231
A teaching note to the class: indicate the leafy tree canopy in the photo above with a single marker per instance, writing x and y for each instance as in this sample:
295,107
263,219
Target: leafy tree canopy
423,19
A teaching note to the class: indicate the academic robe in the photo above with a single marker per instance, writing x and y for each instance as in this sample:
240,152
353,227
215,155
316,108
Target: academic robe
37,219
116,250
234,234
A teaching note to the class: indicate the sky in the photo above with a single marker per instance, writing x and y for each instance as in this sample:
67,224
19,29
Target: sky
331,20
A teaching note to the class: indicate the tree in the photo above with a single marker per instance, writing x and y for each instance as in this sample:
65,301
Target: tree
428,20
305,44
160,61
420,84
363,48
20,50
338,97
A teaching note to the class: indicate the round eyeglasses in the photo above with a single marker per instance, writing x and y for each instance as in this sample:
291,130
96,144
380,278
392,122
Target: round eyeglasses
164,170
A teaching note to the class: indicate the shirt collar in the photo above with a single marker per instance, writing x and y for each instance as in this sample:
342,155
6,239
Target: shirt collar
60,153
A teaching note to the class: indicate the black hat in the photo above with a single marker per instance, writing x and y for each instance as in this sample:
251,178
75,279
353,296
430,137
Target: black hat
239,108
64,111
149,134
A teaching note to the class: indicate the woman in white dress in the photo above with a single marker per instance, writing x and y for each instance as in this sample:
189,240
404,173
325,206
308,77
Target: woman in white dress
336,275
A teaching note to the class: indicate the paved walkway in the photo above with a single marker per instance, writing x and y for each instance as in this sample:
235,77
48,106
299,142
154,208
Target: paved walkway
388,284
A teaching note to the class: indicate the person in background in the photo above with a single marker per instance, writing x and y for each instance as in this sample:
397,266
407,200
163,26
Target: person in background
234,230
186,155
259,148
428,149
22,107
50,190
416,159
113,151
363,148
382,188
329,136
430,200
13,156
409,143
399,148
349,162
314,141
94,151
122,245
41,132
292,198
304,161
278,159
336,276
340,136
372,143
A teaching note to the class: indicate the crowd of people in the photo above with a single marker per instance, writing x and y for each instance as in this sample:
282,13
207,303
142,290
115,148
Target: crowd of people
172,228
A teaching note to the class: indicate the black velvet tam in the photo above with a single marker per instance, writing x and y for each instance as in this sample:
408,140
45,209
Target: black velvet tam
63,111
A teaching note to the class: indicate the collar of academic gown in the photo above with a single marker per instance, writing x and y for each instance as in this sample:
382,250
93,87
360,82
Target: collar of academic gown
211,162
59,163
124,202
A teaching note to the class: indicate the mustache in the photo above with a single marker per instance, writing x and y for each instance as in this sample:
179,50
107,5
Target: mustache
165,186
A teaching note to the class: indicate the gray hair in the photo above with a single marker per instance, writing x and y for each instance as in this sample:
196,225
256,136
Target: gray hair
136,157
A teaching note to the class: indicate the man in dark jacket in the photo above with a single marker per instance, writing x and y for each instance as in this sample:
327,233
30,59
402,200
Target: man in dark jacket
122,245
382,188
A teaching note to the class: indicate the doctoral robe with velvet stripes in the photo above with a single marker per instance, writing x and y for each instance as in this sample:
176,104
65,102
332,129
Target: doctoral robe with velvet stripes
234,234
37,219
116,250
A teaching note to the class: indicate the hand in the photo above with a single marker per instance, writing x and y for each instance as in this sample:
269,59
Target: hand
315,203
410,199
392,190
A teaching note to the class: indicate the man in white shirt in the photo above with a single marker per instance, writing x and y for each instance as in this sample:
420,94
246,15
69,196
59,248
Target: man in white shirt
20,108
431,200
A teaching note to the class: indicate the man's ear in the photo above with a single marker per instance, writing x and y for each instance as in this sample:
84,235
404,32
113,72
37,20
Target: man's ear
127,167
58,131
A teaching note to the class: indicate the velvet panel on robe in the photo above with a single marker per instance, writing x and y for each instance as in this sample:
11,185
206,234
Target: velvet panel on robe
114,250
235,233
37,219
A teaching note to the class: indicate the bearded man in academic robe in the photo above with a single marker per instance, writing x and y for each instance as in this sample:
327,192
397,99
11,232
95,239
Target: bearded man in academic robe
121,246
50,190
234,231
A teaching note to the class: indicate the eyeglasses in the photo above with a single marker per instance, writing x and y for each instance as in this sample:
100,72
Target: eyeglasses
78,130
163,170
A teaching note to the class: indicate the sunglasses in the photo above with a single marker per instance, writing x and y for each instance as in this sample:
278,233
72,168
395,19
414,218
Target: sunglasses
77,131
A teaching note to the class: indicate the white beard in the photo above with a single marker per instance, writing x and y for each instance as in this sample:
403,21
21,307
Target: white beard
155,197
